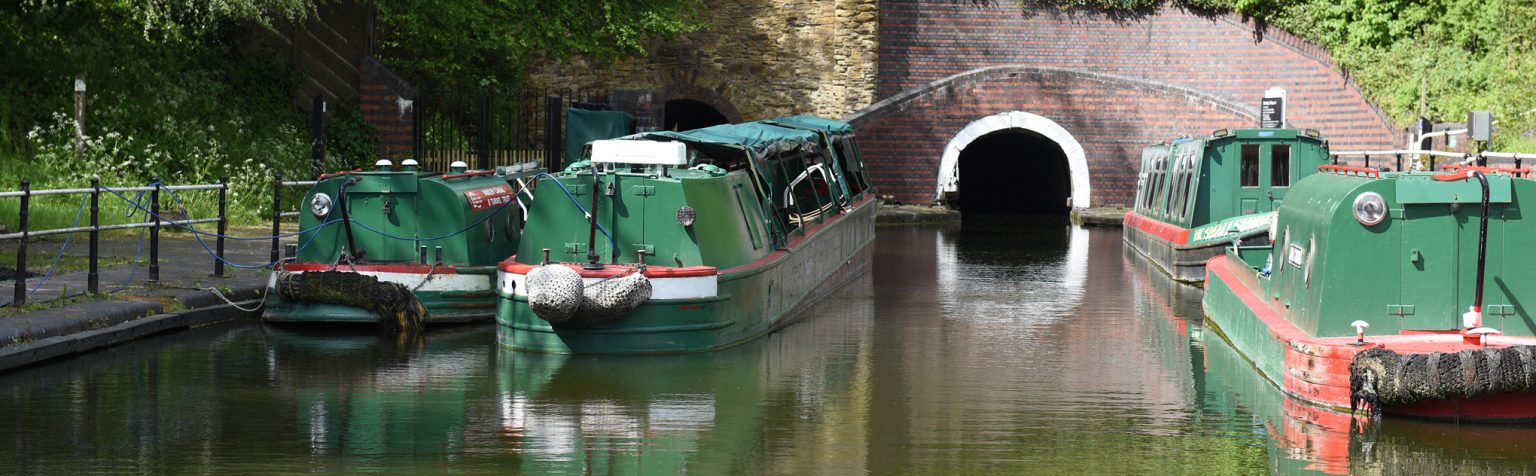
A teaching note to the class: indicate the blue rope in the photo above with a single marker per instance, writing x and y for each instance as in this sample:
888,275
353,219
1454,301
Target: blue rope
58,257
196,235
135,202
613,244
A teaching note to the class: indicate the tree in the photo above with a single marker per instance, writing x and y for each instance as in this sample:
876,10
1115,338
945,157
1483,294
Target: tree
489,43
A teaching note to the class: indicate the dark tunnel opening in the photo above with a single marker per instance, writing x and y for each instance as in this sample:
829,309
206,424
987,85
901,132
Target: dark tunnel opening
1014,172
688,114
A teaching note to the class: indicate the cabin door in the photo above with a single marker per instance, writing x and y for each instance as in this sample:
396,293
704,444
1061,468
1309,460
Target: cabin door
1430,269
1264,176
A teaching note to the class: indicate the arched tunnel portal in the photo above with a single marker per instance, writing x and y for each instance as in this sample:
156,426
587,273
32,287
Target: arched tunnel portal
1014,172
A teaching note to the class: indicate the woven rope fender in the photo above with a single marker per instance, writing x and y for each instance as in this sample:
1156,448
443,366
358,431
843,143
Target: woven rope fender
613,298
394,304
554,292
1380,377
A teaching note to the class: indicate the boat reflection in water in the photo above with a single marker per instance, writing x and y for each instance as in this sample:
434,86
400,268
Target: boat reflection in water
700,413
1301,438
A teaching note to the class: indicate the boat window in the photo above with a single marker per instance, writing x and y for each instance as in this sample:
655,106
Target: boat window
1250,167
1171,206
1280,165
844,156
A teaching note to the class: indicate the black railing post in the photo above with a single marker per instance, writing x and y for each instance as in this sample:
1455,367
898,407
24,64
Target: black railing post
21,248
154,231
218,259
93,277
277,213
552,125
417,135
483,146
1399,162
1367,160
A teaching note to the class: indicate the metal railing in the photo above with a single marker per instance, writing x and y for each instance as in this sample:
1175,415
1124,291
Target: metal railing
1480,158
277,210
93,277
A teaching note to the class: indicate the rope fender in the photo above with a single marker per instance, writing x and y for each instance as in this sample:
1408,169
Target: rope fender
394,304
1380,377
557,294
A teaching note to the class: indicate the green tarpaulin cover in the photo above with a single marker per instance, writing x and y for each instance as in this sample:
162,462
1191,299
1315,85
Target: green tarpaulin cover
583,126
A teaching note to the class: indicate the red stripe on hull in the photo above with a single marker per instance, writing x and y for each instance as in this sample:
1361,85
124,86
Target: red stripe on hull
374,268
1171,233
1316,369
610,270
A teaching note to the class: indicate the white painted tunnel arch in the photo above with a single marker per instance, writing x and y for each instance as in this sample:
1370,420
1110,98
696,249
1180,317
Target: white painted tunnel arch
1077,163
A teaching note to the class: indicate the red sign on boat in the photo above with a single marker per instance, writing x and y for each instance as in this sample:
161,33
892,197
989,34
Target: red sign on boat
489,197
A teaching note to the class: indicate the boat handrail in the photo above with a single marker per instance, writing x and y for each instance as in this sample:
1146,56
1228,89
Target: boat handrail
1348,171
1437,153
1517,172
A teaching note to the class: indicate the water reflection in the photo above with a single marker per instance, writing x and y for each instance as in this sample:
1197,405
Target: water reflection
992,348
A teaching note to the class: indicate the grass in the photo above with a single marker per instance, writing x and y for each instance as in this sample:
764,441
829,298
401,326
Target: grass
40,256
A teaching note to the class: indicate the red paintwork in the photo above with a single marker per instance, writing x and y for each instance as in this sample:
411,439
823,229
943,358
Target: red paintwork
1317,368
1170,233
338,174
1454,167
469,174
611,270
378,268
1350,171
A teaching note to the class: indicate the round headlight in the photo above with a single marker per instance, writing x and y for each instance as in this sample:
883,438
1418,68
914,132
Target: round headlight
685,216
320,205
1370,208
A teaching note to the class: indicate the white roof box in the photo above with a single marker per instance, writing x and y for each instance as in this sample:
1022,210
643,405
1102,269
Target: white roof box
639,152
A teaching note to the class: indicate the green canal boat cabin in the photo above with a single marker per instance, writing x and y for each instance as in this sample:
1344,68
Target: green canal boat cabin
437,235
729,230
1389,263
1194,196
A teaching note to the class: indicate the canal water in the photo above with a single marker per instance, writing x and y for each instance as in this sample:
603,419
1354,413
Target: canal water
1016,346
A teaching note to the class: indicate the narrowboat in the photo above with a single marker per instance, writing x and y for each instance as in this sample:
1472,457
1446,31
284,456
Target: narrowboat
670,242
1390,292
401,247
1195,196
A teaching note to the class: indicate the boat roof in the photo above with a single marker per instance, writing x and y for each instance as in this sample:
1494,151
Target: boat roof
759,139
803,121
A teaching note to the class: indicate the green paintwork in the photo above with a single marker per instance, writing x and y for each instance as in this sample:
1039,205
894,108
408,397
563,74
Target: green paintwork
1414,271
420,206
779,232
1193,182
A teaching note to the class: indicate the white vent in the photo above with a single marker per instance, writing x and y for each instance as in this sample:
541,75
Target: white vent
639,152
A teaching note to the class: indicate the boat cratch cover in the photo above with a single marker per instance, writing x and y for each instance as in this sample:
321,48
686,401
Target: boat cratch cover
1380,376
394,303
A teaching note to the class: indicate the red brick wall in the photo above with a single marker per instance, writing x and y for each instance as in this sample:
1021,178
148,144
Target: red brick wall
379,95
1156,77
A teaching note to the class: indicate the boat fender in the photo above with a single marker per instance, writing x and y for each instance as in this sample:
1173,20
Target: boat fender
611,299
393,303
1380,377
554,292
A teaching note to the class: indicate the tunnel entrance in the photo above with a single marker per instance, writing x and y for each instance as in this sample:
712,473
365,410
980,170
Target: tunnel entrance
1013,172
688,114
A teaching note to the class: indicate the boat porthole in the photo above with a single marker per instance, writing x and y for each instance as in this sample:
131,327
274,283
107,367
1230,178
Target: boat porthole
1306,273
490,232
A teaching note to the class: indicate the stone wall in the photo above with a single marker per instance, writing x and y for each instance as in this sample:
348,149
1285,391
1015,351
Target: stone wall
759,59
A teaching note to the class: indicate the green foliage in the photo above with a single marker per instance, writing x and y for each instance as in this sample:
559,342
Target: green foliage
350,142
1466,54
157,106
489,44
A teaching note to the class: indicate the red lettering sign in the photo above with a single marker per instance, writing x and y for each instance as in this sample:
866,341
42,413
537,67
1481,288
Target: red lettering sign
488,197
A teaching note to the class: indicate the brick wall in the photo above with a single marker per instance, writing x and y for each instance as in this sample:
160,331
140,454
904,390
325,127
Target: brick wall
380,98
1155,77
903,137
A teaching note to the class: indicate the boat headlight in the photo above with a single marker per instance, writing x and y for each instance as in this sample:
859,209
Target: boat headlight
320,205
1370,208
685,216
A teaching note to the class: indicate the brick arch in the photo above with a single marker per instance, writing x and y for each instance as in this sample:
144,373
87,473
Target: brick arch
682,89
1155,76
904,137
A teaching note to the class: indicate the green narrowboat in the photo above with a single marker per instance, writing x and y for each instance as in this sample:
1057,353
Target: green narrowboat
667,242
401,244
1196,196
1395,292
